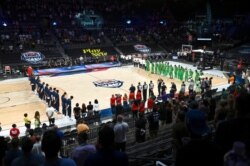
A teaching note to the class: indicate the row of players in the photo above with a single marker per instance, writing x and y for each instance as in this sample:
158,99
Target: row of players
168,70
51,95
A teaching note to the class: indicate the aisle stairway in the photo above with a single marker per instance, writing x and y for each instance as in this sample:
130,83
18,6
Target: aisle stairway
150,148
58,45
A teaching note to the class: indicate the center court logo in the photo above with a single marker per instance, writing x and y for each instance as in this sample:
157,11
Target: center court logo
109,83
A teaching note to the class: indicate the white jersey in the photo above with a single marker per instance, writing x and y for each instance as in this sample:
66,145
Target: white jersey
143,62
191,85
151,85
129,57
50,112
139,87
183,88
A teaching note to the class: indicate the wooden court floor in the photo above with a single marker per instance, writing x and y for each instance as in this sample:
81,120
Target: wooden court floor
16,98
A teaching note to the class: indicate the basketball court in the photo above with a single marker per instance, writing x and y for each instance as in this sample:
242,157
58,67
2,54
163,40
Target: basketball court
16,97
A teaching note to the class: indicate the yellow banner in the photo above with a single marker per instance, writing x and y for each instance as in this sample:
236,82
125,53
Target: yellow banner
95,52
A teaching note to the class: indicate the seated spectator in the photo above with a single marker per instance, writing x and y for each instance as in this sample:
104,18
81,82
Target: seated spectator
13,153
81,152
27,157
51,145
106,155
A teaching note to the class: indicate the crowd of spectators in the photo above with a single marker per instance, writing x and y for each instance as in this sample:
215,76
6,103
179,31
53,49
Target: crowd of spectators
21,39
69,37
49,24
37,16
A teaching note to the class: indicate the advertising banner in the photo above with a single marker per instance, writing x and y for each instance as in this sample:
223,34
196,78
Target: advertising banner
32,57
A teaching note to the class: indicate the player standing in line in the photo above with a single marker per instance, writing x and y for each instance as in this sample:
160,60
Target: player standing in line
139,86
181,73
198,86
151,89
167,69
186,76
63,100
56,101
144,92
175,71
152,67
171,71
69,106
191,74
147,65
197,76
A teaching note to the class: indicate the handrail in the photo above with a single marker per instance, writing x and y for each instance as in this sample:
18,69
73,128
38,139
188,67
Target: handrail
152,159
